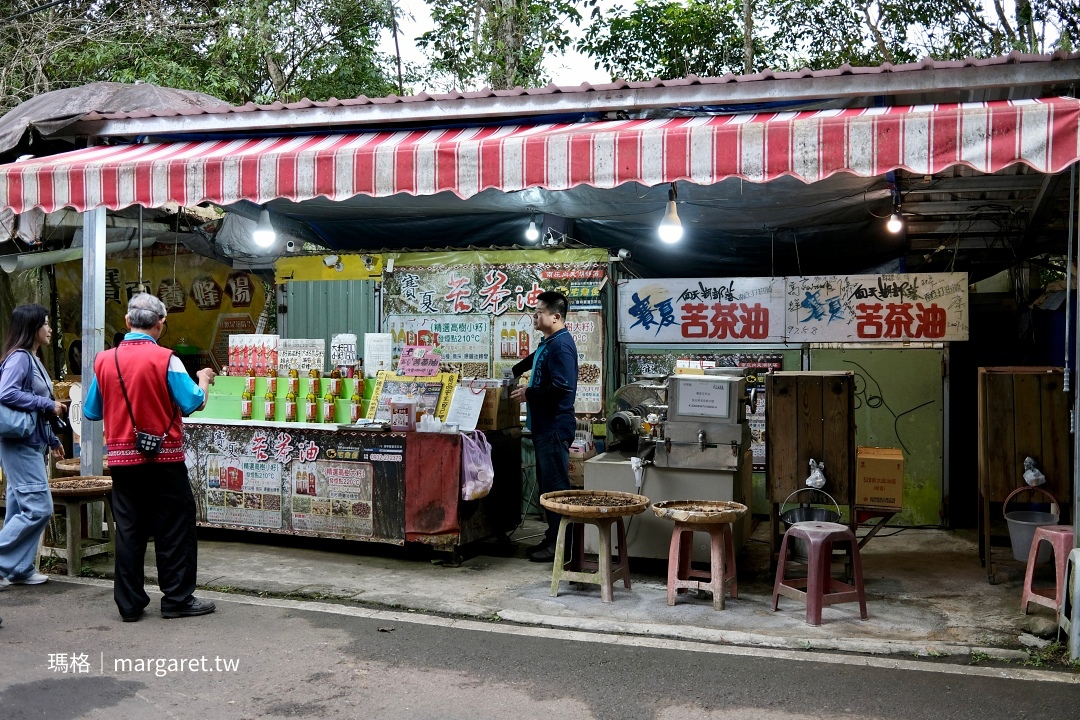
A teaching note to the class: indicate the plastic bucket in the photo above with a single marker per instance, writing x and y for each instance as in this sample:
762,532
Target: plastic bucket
807,513
1022,525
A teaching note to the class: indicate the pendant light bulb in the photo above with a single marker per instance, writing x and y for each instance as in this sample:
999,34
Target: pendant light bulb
895,224
670,229
532,234
264,235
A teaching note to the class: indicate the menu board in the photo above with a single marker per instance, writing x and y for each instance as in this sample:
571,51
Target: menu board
301,354
464,340
308,481
435,392
587,329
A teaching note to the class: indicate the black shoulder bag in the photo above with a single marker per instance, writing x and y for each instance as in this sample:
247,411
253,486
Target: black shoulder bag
146,443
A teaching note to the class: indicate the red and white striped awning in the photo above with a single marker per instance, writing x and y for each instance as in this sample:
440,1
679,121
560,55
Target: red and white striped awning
757,147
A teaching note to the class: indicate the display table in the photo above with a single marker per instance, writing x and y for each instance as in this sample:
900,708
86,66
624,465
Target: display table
344,482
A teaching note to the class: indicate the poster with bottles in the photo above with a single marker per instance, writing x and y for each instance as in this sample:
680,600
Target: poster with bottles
332,497
243,491
514,339
253,352
465,340
339,484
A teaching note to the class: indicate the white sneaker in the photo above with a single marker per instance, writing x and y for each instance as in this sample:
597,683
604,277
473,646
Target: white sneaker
4,582
35,579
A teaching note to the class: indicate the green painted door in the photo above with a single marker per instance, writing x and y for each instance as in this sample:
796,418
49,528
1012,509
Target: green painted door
898,403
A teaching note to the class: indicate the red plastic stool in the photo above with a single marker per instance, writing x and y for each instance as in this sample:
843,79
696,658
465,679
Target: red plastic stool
721,576
820,587
1060,538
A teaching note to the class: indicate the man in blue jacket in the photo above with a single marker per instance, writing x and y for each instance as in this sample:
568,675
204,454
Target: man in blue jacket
549,400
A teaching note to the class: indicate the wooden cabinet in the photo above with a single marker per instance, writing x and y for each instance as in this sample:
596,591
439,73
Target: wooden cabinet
1023,412
809,415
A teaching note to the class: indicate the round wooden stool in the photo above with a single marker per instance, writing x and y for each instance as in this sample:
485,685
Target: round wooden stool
71,467
74,493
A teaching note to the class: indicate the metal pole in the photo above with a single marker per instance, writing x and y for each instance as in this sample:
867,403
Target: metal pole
1074,226
93,330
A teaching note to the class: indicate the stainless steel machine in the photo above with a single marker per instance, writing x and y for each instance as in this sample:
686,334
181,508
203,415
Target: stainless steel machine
692,435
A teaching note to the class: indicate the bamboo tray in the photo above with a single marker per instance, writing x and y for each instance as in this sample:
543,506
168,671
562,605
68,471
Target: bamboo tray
705,512
561,502
71,467
81,486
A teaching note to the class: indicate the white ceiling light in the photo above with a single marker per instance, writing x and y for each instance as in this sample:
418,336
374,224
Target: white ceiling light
533,233
264,235
895,223
670,229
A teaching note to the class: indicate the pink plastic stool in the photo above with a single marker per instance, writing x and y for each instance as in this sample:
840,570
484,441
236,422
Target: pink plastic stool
1060,538
820,587
721,576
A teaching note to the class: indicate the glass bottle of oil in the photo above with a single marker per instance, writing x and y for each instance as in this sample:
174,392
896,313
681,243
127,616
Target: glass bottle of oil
290,407
329,407
269,406
355,402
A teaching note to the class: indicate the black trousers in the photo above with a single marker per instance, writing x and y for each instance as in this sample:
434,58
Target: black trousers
153,499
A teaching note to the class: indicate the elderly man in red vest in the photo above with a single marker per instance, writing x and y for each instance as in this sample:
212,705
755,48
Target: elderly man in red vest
141,390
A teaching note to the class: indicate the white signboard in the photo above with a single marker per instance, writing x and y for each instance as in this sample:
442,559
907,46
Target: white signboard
465,407
343,350
927,307
702,310
703,399
378,353
301,354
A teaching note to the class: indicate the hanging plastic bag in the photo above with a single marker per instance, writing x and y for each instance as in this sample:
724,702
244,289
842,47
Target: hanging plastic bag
477,472
817,475
1032,475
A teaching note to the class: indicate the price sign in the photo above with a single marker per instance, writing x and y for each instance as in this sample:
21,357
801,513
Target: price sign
419,361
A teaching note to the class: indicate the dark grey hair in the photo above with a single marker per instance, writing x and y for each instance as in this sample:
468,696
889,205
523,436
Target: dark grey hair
145,311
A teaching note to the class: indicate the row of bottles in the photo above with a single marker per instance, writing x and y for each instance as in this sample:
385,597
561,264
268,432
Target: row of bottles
224,475
400,335
314,410
513,343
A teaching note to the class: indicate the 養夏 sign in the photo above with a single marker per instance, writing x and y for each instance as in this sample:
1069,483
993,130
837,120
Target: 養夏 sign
927,307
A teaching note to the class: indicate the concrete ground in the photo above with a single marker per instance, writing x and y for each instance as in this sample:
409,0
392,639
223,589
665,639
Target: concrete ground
927,592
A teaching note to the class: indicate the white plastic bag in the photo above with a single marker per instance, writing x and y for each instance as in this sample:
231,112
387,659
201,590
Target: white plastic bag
1032,475
477,472
817,475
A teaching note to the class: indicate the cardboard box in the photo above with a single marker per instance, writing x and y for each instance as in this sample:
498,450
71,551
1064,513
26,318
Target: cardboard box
499,411
879,478
577,465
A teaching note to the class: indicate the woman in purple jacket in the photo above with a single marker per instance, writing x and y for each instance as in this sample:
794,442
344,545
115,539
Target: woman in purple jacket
25,385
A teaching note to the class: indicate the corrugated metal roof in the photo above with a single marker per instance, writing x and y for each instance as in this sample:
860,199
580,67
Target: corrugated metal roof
584,91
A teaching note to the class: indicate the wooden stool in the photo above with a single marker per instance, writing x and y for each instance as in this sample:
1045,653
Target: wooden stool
721,575
603,572
73,500
820,587
1060,538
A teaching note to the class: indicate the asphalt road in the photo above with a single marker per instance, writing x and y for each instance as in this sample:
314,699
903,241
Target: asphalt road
292,659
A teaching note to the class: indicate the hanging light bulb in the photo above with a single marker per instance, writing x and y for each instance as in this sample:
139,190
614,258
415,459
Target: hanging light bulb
895,223
264,235
532,234
670,229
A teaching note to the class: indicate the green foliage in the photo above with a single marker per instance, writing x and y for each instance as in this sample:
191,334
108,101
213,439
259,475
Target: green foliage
500,43
669,39
674,38
251,50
